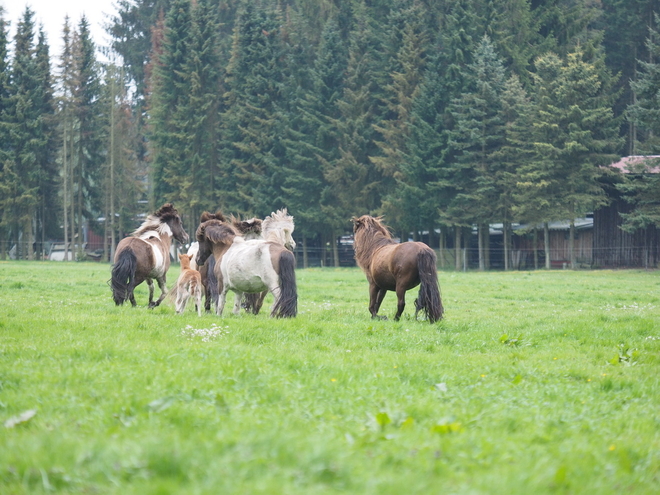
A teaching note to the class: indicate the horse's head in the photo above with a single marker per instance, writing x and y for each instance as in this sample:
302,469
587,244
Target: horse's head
185,260
279,227
369,223
211,233
169,215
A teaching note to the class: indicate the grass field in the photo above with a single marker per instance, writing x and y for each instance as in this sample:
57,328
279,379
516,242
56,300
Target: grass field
543,382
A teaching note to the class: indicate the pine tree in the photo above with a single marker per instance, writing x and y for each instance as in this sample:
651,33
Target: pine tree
575,133
5,150
170,97
203,69
645,111
477,138
24,139
309,93
627,49
47,224
395,129
87,158
353,184
252,172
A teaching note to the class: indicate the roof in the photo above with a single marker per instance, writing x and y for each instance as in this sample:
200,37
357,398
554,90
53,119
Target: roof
638,164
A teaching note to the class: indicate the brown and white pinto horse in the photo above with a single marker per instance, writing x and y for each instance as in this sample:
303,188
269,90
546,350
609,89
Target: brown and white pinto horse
396,267
145,255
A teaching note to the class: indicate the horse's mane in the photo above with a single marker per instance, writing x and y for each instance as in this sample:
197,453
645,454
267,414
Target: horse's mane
276,221
206,216
216,231
370,235
158,221
249,228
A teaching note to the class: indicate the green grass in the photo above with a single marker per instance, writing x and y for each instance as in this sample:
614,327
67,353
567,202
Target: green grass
543,382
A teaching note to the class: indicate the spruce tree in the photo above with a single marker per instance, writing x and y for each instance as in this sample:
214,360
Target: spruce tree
5,149
24,129
353,183
47,224
395,128
168,103
575,132
88,135
644,113
253,129
204,104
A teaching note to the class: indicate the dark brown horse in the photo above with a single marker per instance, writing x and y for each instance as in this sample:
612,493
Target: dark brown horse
389,265
145,255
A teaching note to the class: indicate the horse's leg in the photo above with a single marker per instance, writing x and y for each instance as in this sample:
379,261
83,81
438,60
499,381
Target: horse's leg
275,290
259,302
401,301
376,296
220,305
237,303
163,292
181,300
150,283
199,300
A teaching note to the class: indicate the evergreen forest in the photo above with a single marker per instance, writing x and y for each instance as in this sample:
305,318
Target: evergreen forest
444,116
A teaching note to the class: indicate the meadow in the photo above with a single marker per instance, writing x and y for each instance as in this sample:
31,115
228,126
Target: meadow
534,382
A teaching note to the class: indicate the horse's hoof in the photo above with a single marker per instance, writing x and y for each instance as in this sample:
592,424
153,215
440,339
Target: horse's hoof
378,317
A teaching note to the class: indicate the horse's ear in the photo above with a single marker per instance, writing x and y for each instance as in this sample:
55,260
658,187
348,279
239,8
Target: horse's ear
205,217
220,216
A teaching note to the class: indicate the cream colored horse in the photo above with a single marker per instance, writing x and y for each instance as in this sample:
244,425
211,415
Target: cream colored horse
248,266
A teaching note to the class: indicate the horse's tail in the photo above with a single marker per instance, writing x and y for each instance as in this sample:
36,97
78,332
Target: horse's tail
123,276
287,303
428,298
211,283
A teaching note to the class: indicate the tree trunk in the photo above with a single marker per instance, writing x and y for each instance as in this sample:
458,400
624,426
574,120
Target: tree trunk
65,195
480,242
571,243
335,250
546,244
305,255
30,235
536,249
507,247
443,245
457,248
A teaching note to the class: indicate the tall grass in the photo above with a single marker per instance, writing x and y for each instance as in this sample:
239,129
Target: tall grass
544,382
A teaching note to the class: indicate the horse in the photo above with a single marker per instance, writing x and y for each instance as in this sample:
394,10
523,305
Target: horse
249,229
396,267
145,255
248,266
277,227
189,284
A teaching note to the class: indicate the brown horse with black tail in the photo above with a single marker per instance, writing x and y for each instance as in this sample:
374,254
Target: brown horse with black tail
145,255
396,267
